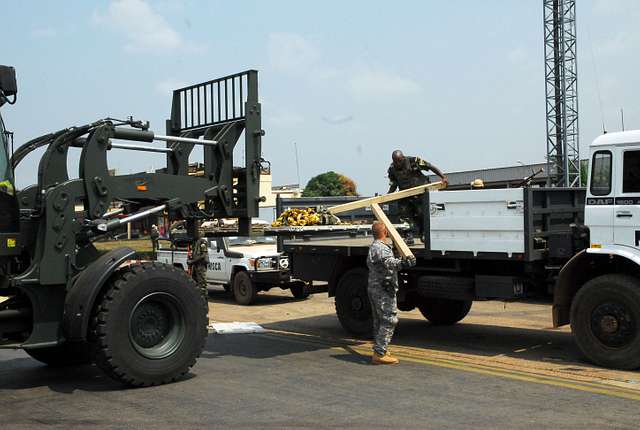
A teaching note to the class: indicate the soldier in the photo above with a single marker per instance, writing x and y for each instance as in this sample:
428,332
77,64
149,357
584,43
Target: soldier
382,288
154,236
199,262
406,172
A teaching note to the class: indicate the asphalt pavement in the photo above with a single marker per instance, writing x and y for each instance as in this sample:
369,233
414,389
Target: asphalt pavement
305,373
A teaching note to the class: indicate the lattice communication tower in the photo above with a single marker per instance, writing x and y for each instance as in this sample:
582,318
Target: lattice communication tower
561,88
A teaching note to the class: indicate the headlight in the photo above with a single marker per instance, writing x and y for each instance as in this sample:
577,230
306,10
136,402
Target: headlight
263,263
284,263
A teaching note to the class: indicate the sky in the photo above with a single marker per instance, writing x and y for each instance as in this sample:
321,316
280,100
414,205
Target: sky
459,83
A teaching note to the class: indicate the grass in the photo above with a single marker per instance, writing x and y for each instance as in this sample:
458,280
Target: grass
138,245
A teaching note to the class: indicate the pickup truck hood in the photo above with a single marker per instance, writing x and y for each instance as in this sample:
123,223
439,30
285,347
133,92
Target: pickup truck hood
255,251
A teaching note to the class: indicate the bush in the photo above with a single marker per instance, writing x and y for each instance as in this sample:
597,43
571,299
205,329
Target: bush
330,184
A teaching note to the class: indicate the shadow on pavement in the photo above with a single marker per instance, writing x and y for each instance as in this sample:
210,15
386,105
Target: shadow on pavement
466,338
263,298
27,373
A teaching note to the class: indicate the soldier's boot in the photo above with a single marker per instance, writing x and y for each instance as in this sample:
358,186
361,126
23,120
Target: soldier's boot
383,359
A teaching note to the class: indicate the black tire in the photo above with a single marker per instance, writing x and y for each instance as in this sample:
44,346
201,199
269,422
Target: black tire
605,321
352,303
66,354
149,326
444,311
299,290
244,290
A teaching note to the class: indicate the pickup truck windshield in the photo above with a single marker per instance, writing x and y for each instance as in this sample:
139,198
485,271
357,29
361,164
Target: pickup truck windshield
255,240
6,180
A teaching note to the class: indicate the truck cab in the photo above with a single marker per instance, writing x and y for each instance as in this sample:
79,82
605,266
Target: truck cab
613,196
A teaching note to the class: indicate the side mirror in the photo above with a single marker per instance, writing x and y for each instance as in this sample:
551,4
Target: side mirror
8,84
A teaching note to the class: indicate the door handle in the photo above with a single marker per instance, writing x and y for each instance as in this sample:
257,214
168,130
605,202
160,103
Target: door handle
624,214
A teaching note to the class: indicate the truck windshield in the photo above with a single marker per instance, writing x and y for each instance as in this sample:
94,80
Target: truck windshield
6,179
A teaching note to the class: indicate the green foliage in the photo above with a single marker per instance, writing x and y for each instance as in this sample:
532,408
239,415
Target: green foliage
330,184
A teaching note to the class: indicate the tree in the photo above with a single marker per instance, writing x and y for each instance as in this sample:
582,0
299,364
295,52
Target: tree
330,184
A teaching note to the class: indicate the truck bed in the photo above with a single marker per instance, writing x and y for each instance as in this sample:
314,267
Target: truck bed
501,224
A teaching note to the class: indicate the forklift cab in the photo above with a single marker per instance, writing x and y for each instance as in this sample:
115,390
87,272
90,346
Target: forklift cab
613,195
9,219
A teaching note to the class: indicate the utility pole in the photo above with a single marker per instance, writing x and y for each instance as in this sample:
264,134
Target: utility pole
561,90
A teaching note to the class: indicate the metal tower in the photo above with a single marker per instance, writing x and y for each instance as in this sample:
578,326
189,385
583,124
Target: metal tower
561,85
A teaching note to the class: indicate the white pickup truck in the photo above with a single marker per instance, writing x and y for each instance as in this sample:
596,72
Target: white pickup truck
243,265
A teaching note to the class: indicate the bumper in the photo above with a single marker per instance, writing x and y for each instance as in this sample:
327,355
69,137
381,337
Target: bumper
273,277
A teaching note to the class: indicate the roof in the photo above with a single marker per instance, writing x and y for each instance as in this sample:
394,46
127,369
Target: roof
496,174
617,138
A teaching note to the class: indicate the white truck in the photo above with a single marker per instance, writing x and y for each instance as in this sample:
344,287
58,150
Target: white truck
579,247
243,265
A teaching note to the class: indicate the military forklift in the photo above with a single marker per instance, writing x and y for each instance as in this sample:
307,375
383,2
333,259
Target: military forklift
63,302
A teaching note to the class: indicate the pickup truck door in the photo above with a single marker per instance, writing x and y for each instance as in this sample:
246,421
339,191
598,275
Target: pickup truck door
626,221
217,261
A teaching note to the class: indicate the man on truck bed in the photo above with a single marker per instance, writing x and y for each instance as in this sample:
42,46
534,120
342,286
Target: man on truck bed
406,172
382,288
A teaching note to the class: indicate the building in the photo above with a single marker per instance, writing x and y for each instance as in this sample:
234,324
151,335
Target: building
498,177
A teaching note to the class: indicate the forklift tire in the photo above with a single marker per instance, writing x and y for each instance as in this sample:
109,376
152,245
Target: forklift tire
299,290
66,354
244,290
352,303
444,311
149,326
605,321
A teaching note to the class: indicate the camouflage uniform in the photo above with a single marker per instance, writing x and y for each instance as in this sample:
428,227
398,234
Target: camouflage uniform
408,176
154,235
383,285
199,262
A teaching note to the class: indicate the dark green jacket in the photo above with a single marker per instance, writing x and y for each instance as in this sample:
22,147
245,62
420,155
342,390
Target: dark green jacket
409,175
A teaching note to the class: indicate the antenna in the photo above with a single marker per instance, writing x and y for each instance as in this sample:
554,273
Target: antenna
622,118
295,145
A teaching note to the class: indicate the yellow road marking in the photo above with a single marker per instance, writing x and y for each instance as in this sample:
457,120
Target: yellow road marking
414,355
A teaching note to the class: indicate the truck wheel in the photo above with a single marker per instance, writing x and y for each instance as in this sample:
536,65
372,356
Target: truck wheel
66,354
444,311
352,303
149,326
244,290
605,318
299,290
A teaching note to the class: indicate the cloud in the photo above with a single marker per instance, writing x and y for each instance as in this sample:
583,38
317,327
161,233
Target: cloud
167,86
289,52
378,83
144,29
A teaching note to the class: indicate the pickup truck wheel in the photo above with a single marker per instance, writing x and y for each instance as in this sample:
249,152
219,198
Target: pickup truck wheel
352,303
149,326
244,290
66,354
299,290
605,319
444,311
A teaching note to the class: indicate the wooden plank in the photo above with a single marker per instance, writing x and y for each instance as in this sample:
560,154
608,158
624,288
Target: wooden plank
385,198
403,248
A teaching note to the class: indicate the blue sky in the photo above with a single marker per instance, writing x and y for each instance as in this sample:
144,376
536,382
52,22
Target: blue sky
460,83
